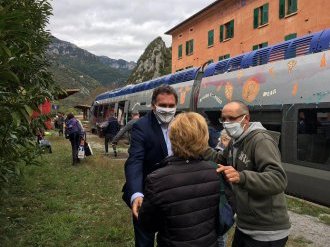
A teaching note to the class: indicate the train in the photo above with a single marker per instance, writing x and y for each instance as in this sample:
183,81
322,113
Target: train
287,89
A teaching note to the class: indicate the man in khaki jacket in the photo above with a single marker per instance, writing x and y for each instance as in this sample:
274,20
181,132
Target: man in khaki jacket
252,163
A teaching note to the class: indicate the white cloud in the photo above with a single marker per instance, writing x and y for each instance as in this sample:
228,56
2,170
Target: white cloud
119,28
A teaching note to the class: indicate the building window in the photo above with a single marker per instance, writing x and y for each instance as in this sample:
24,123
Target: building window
180,51
288,7
190,47
313,135
290,36
227,31
224,57
259,46
260,16
210,38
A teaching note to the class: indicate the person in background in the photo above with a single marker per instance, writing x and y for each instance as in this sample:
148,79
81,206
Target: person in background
213,132
181,199
150,144
301,123
110,131
128,127
224,140
60,123
252,164
75,134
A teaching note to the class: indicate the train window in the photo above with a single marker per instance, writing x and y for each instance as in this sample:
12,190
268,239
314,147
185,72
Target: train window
271,120
313,135
95,111
106,112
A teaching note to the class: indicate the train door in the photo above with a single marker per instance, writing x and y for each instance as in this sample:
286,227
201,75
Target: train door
119,112
195,92
126,113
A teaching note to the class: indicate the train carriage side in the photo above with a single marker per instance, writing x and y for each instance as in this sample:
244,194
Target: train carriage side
287,88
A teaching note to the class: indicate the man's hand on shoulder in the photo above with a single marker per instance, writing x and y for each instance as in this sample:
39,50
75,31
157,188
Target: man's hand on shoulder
230,173
136,205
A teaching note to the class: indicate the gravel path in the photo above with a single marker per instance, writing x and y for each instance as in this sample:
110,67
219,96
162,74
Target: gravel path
311,229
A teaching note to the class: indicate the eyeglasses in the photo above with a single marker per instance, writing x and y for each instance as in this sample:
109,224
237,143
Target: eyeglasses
229,119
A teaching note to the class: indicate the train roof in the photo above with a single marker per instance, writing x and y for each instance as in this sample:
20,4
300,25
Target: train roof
181,76
311,43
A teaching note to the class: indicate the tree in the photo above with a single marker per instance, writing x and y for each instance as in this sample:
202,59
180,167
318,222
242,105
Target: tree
25,82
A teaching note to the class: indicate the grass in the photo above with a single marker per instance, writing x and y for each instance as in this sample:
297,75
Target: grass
302,207
57,204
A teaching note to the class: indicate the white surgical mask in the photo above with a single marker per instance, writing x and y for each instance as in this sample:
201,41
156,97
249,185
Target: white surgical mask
164,115
234,129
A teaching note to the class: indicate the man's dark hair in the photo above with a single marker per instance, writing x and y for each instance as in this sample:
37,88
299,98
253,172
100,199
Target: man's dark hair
166,89
70,115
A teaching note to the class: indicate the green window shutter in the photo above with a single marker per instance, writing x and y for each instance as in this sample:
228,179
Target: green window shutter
221,32
282,8
265,44
187,47
290,36
255,47
210,38
180,51
293,7
256,18
231,29
226,56
265,13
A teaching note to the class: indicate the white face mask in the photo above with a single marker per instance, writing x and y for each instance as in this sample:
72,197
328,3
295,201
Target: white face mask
234,129
164,115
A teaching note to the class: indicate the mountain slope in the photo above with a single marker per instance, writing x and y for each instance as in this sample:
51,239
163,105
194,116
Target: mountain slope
154,62
103,69
73,67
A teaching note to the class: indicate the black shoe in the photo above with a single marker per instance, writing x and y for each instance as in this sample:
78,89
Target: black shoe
115,153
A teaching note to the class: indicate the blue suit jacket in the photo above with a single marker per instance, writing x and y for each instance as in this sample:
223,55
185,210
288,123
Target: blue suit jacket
147,149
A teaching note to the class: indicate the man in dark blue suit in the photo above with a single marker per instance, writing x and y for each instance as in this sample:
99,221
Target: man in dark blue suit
150,144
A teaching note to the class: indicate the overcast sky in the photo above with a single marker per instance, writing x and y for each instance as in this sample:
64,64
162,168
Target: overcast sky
119,28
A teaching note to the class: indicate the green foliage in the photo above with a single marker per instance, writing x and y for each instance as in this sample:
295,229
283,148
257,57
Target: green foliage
25,82
61,205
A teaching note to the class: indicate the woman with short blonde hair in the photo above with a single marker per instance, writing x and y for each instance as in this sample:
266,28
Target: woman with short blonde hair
181,199
189,135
